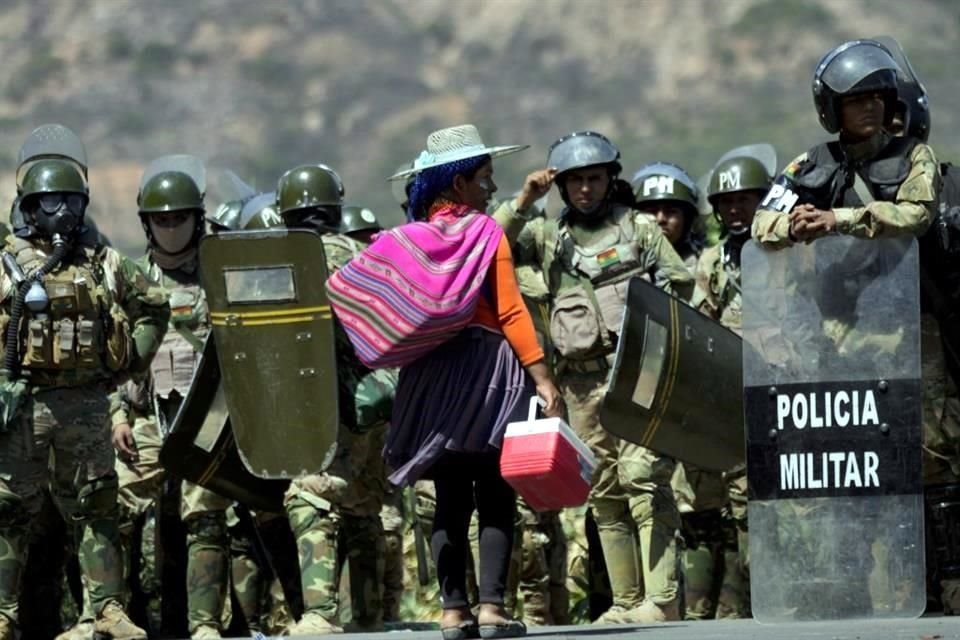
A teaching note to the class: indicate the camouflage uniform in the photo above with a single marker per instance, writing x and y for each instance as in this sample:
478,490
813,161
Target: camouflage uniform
391,516
67,408
340,508
539,572
631,496
157,399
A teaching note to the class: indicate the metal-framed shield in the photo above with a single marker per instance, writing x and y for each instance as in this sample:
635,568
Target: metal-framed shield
832,397
275,341
675,386
201,446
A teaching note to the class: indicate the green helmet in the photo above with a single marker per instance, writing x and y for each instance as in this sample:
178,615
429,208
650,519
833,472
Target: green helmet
742,173
308,186
169,191
226,217
260,212
358,219
664,181
52,176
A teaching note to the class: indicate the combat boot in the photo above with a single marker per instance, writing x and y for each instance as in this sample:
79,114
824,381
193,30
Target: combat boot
312,623
81,631
114,624
7,628
205,632
649,612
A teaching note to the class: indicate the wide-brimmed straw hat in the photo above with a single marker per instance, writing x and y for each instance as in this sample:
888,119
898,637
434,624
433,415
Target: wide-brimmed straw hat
452,144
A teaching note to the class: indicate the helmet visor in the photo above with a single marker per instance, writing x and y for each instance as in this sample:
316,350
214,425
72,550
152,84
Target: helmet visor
852,65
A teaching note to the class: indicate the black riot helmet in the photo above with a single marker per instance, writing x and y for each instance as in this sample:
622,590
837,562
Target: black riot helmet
579,150
855,67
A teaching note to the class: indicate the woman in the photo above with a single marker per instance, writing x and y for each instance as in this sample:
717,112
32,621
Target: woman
453,404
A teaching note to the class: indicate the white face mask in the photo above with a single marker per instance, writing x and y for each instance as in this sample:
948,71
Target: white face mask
173,240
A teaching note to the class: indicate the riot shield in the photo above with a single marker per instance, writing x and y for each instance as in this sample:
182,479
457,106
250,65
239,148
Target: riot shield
275,342
51,141
182,162
831,373
675,387
201,446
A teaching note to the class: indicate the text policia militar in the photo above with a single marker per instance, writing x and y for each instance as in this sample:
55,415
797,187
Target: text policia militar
825,410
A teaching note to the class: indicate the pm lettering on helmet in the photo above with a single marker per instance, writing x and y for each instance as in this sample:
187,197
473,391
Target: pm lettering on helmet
730,179
780,198
658,184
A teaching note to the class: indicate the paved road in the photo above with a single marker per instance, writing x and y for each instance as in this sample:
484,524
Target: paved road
927,628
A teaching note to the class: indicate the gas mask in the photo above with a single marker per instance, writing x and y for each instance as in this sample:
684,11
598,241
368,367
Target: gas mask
58,213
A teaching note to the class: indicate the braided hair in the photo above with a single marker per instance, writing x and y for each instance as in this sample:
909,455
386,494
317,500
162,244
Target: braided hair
431,182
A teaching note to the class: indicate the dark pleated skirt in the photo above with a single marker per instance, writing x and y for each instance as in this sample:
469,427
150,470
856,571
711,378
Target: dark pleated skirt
460,397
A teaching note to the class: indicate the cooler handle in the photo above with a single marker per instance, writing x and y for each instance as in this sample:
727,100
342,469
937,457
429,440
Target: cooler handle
535,400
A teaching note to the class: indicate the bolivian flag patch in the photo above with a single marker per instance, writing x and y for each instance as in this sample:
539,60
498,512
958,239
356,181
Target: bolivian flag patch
608,258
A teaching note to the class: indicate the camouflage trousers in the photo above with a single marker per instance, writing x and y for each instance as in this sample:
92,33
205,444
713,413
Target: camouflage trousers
632,502
391,517
335,518
538,570
941,437
72,424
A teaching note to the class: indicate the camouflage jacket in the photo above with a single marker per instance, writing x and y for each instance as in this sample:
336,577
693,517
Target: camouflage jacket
718,278
365,395
909,211
105,319
173,366
542,242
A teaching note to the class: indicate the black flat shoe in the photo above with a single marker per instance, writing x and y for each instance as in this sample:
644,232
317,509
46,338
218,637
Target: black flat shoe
510,629
466,630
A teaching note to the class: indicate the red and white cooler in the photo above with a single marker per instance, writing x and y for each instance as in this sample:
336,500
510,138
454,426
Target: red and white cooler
545,461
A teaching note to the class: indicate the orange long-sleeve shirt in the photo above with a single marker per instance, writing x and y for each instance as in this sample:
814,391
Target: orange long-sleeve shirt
507,313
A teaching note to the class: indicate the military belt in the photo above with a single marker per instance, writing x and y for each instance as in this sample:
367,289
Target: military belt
589,365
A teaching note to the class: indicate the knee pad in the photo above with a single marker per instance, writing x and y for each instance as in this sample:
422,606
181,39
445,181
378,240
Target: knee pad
609,513
306,516
208,528
97,499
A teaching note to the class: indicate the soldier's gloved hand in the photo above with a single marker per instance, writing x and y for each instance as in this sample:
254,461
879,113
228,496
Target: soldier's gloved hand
12,396
124,442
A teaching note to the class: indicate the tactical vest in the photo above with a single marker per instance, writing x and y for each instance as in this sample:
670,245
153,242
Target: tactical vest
590,282
725,288
179,354
83,335
826,178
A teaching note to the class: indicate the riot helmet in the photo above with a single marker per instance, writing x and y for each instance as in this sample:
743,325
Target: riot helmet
854,67
310,195
662,185
580,150
260,212
53,199
226,217
171,211
357,219
738,174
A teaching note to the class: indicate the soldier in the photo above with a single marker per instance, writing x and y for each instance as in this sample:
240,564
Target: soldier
587,257
868,183
669,194
716,583
171,211
337,512
79,317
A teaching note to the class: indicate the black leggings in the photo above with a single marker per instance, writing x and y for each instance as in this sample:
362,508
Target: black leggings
464,481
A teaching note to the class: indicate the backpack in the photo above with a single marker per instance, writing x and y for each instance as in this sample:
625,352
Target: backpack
415,287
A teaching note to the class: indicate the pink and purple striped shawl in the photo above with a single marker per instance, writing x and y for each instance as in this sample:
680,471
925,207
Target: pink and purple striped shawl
415,287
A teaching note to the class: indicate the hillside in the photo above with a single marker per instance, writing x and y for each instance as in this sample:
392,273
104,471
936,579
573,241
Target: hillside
259,87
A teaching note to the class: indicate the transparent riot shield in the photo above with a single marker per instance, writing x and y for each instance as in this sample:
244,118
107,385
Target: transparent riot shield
181,162
675,387
51,141
831,374
275,341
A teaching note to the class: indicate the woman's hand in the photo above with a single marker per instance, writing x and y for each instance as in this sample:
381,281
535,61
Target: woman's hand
553,401
546,389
